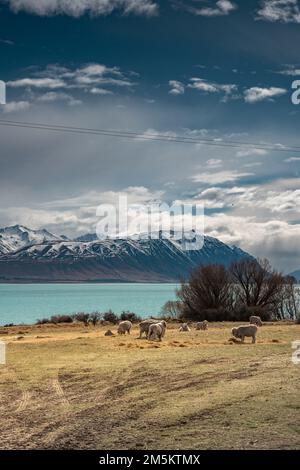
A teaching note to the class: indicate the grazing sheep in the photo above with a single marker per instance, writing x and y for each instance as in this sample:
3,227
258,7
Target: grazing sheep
144,326
245,331
184,327
109,333
202,325
255,320
157,331
124,327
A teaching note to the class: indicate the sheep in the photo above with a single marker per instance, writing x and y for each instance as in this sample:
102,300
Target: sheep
157,331
124,326
184,327
245,331
144,326
255,320
202,325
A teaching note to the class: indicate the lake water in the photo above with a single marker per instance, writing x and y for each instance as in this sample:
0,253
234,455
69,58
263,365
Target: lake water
25,303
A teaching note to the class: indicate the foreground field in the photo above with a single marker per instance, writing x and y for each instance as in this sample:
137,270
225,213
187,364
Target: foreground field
69,387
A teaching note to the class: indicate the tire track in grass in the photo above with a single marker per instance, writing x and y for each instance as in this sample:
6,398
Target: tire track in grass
56,385
24,402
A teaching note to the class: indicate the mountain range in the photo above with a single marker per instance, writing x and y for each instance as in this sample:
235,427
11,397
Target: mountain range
296,275
28,255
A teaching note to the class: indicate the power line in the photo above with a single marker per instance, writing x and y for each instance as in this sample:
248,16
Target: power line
150,137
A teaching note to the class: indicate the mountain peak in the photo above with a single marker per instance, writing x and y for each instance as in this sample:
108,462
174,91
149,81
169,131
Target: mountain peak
16,237
39,255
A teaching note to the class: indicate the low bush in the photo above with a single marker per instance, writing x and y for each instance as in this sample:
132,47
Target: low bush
82,317
172,310
111,317
43,321
95,318
61,319
133,317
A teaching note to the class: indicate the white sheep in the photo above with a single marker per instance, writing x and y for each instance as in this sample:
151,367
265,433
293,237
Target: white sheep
245,331
202,325
184,327
124,327
254,320
144,326
157,331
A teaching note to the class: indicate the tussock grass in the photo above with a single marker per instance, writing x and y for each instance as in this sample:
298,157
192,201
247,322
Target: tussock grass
61,389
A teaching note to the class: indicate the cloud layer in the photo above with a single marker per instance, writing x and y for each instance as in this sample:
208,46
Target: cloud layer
285,11
77,8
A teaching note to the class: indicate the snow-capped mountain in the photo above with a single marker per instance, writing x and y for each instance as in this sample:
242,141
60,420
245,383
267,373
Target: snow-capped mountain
135,260
17,236
296,275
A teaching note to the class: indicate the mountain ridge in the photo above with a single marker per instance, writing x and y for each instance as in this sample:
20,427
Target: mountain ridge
40,256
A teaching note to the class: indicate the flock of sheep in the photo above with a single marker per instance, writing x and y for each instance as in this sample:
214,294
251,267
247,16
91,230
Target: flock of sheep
155,329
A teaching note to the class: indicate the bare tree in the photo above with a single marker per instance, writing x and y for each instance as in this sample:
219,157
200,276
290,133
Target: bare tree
209,287
172,309
290,302
258,285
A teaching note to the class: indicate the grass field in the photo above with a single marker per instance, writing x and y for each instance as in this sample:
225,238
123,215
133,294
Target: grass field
70,387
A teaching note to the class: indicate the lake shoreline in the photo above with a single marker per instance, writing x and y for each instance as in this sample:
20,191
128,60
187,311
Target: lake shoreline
26,303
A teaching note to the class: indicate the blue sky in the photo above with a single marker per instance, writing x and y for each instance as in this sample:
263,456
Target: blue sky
207,69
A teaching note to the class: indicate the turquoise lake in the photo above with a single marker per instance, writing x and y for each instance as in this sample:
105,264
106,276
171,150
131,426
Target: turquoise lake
25,303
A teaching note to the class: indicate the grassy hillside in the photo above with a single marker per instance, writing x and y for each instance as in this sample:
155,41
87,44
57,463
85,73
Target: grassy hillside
71,387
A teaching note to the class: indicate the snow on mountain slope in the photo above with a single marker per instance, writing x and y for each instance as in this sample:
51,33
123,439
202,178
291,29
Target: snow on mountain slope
16,237
296,275
41,256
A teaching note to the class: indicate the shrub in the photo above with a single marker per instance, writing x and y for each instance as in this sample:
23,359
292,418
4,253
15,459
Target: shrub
172,310
61,319
95,317
209,314
133,317
82,317
111,317
43,321
244,312
298,319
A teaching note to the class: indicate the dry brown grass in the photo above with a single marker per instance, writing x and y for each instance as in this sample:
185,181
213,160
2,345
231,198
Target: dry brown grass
68,386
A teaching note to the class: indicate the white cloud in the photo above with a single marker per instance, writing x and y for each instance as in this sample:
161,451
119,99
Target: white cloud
50,83
177,88
214,163
256,94
100,91
57,83
286,11
14,106
211,8
274,239
290,71
211,87
53,96
220,177
248,152
77,8
292,159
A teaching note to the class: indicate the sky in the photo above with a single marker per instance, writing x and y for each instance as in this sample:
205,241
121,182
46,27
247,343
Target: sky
220,70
